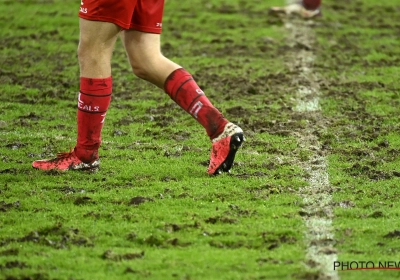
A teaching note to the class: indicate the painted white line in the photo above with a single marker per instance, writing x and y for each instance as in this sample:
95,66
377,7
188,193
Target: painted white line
317,196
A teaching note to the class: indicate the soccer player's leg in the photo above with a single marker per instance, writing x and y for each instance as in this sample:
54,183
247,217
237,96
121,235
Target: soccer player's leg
95,48
100,23
96,44
148,63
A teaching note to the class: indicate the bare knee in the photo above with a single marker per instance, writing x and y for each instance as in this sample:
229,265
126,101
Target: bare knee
82,53
87,54
141,71
94,60
96,42
155,69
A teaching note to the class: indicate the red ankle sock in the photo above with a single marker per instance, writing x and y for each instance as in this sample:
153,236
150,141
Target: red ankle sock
182,88
94,99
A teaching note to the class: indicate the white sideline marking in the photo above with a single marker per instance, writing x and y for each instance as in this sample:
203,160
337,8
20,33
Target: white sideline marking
307,105
317,198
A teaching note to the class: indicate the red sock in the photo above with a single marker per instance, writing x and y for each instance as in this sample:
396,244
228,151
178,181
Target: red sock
182,88
311,4
93,101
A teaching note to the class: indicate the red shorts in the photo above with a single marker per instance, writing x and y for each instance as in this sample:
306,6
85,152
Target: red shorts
142,15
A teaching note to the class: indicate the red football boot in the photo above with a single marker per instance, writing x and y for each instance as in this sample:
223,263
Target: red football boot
224,149
66,161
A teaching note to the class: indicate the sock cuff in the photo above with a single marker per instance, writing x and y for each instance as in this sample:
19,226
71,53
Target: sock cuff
175,80
96,86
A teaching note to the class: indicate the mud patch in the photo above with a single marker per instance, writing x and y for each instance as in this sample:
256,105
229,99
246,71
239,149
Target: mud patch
56,236
9,252
4,206
14,264
393,234
112,256
162,241
137,200
83,200
221,219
